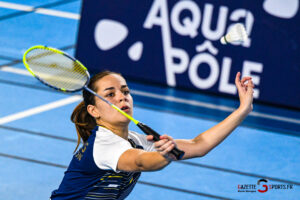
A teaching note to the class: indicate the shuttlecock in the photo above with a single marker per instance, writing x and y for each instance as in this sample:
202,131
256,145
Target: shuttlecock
236,35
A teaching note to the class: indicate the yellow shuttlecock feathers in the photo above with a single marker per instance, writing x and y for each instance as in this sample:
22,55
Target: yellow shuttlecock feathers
236,35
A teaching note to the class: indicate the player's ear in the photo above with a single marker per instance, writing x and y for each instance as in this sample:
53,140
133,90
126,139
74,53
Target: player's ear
93,111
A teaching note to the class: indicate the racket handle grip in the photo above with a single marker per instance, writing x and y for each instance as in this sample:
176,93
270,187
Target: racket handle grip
156,137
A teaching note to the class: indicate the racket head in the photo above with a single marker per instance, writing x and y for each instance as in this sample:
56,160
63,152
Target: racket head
56,68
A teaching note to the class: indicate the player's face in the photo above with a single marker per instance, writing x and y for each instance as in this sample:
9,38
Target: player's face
114,89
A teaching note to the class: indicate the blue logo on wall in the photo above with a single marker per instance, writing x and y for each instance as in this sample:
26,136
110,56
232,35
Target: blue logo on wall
176,43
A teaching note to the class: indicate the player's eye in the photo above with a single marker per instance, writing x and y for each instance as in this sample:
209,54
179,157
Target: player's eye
111,94
126,92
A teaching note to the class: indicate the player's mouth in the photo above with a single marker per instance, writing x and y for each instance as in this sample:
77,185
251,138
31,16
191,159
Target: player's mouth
125,108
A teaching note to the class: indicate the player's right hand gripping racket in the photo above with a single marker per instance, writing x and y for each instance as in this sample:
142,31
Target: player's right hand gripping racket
62,72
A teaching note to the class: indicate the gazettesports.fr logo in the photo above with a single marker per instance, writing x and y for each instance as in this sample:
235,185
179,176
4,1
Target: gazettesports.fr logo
262,186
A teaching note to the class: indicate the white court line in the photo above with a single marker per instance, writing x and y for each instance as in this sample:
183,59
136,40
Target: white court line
40,109
212,106
15,70
43,11
179,100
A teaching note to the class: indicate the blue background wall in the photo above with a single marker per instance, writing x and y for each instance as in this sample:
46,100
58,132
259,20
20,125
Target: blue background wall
149,27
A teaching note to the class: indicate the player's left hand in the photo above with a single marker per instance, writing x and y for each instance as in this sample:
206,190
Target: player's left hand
245,90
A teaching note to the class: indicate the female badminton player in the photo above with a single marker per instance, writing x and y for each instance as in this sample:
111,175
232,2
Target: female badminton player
112,157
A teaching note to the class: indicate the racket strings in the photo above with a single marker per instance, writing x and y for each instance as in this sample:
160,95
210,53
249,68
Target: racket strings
57,69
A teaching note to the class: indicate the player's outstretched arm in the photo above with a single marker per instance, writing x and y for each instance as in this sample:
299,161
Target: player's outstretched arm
206,141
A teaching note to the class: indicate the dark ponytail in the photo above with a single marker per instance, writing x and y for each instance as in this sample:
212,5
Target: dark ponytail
83,121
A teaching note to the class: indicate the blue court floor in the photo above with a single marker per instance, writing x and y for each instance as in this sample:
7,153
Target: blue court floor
38,139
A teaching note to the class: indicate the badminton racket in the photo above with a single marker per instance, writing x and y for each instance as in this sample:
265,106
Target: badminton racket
62,72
